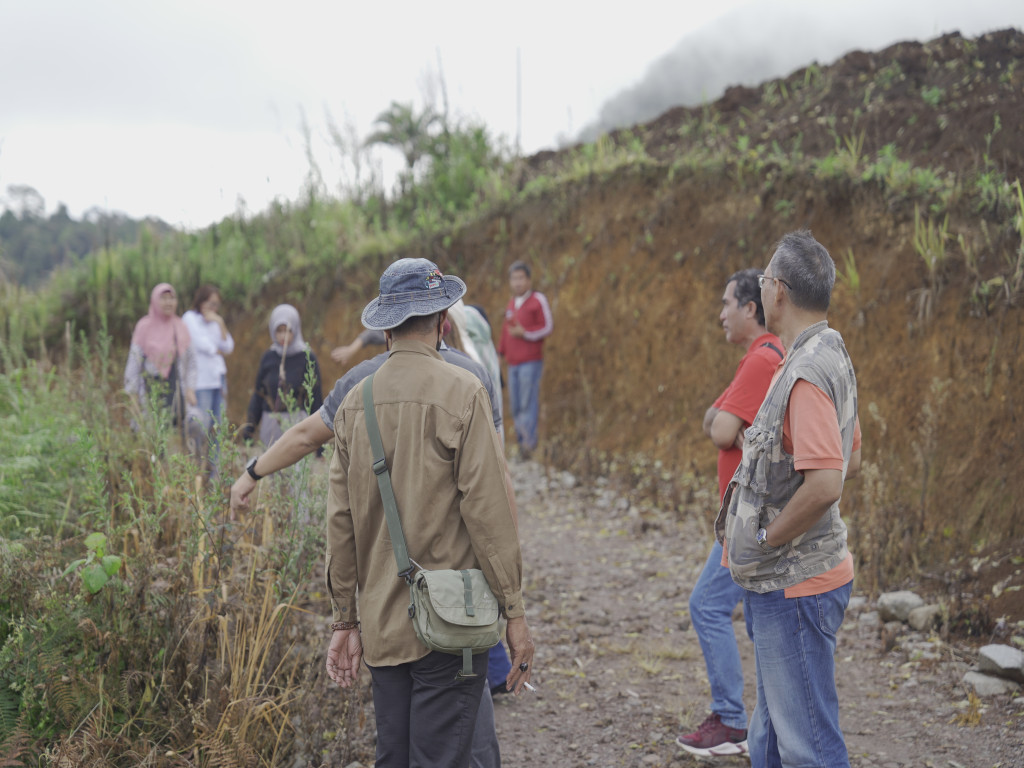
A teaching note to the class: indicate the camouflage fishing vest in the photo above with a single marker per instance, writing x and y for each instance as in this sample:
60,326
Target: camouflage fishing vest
765,480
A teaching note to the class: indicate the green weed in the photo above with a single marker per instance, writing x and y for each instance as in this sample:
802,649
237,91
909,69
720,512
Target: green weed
994,194
849,275
932,95
96,568
785,207
889,75
930,244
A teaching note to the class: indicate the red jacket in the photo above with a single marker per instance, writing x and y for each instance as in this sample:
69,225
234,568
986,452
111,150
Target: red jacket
535,317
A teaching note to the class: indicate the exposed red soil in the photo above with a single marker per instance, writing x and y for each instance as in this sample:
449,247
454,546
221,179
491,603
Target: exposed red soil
634,262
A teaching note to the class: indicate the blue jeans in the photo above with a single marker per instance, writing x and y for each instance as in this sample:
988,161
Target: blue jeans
524,397
796,719
211,403
714,597
498,665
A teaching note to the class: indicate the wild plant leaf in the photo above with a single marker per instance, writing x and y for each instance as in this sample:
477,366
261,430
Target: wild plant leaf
94,577
96,542
111,564
72,566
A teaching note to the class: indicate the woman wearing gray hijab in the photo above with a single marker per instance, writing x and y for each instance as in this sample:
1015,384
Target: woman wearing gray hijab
288,380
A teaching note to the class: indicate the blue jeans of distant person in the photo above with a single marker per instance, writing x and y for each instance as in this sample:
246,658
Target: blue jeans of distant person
524,397
211,403
714,598
498,666
796,719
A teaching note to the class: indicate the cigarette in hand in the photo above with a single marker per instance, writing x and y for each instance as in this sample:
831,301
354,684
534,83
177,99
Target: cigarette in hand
530,687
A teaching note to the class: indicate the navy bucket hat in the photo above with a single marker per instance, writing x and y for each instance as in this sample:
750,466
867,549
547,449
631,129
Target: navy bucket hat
411,288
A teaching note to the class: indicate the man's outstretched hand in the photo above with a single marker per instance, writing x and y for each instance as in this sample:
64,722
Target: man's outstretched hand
344,655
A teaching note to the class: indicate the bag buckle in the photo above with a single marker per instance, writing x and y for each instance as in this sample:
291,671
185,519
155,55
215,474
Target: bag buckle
380,466
467,665
407,574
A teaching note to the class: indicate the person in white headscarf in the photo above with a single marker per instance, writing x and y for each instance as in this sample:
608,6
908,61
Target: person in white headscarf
475,340
287,387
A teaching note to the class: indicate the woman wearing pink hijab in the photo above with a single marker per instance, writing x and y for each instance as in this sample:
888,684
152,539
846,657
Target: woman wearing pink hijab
161,361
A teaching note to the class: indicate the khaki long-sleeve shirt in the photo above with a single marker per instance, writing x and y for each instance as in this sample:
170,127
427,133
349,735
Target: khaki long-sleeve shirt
447,470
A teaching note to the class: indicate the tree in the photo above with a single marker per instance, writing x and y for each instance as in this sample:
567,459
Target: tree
26,200
410,133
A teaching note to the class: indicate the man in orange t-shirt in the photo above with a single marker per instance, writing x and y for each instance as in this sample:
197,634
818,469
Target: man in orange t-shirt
715,595
785,539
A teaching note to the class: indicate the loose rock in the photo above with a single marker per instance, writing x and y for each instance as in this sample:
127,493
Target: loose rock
1003,661
896,606
924,617
990,685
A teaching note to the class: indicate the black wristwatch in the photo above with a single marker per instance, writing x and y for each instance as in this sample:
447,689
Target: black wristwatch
251,469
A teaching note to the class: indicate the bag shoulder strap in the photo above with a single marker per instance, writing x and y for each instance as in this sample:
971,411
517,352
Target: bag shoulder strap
774,349
387,493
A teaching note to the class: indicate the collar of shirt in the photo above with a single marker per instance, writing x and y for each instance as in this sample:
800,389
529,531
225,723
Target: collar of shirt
415,347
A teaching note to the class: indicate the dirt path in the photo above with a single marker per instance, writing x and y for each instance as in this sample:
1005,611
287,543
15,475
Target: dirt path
620,672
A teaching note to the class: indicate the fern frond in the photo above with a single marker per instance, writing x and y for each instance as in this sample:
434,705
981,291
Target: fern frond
217,754
132,682
10,703
13,746
64,697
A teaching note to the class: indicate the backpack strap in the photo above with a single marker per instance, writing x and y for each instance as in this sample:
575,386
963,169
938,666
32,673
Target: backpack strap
774,349
387,493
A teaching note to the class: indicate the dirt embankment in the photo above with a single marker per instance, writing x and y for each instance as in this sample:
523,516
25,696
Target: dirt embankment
634,264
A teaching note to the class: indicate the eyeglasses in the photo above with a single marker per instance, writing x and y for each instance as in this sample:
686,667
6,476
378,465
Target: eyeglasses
762,279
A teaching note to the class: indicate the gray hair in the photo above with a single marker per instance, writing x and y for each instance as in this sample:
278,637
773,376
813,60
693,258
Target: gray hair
804,263
747,290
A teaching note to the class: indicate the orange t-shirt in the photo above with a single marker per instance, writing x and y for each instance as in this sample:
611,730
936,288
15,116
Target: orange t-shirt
811,415
819,445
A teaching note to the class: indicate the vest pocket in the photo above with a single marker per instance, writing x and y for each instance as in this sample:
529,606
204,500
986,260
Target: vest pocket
757,453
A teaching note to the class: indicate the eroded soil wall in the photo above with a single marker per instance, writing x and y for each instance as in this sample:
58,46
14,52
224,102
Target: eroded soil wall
634,266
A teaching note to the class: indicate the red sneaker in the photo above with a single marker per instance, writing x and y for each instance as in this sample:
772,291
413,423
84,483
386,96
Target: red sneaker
713,739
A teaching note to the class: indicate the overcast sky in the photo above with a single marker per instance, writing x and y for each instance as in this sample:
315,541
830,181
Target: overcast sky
182,109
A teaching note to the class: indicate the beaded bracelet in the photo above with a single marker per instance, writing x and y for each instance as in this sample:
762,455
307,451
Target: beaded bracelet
344,625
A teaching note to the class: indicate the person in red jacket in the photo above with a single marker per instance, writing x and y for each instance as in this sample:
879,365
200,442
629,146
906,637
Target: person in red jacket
527,323
715,595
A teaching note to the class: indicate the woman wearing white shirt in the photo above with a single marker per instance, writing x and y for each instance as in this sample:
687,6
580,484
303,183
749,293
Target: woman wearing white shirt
212,343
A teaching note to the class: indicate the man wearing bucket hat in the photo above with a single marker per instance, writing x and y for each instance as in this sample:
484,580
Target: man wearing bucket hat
316,430
447,469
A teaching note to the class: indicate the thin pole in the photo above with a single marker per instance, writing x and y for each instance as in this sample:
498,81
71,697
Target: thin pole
519,101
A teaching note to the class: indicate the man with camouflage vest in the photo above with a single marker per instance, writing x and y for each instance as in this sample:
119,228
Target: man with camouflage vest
784,540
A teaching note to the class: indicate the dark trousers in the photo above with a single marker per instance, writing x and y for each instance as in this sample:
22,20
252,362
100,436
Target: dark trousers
425,716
